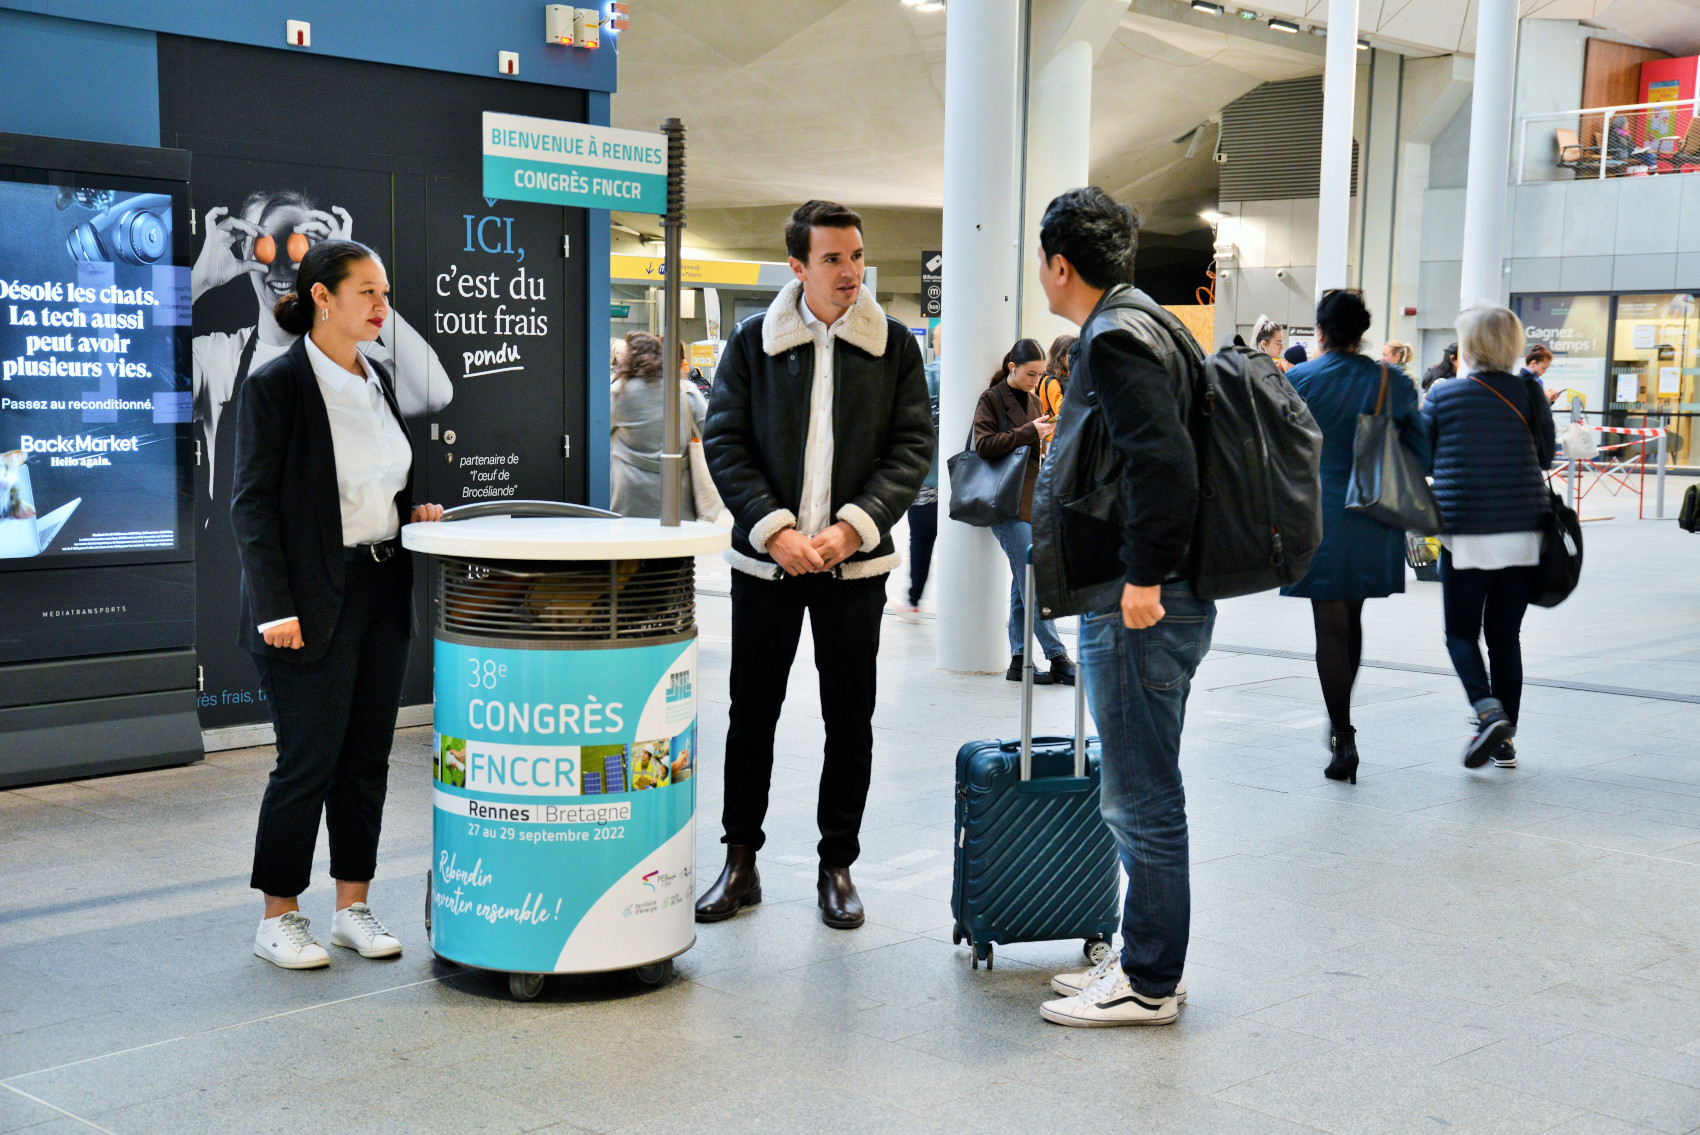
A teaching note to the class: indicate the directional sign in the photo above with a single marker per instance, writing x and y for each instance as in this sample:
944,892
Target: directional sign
570,163
932,283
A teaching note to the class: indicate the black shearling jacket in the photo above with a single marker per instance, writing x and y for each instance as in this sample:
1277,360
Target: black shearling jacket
758,423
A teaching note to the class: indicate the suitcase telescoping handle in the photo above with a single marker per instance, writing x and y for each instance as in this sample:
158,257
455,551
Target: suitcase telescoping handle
1027,688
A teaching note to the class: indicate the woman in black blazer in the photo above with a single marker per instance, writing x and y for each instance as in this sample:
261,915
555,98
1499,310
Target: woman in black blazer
321,488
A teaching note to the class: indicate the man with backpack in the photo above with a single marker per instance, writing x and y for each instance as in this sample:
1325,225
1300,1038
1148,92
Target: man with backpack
1143,630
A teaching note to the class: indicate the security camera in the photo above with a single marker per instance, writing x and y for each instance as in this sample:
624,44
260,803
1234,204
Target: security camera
136,230
1221,158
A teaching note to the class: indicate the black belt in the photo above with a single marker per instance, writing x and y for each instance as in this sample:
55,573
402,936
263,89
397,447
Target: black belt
378,552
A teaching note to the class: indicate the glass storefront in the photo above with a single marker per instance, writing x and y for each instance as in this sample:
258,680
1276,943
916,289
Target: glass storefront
1629,359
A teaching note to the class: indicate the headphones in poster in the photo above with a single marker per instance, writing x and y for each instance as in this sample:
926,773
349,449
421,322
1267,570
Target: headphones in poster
136,230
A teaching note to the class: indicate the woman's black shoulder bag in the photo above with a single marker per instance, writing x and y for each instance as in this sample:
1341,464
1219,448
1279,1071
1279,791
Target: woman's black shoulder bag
984,493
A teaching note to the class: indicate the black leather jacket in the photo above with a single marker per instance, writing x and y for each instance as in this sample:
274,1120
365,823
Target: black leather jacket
758,424
1118,493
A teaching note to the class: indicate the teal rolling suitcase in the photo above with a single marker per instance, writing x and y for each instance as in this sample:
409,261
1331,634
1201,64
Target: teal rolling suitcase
1034,859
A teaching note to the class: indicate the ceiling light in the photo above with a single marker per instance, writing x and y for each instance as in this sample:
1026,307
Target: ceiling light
1283,26
913,3
1206,7
1363,45
930,6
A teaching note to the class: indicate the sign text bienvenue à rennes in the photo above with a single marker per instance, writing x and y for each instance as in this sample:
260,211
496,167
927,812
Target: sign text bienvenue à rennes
570,163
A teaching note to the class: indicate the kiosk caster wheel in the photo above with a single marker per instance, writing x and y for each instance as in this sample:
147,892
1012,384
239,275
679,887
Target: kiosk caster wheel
653,975
1096,950
525,986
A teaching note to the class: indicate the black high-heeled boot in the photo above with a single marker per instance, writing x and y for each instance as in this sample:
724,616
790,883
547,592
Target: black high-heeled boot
1343,744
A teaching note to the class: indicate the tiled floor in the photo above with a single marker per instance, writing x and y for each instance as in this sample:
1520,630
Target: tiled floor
1431,950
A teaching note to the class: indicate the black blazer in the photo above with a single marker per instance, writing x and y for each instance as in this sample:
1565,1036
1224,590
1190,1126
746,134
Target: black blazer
286,509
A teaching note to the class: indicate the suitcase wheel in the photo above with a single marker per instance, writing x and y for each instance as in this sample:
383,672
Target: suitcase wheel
956,935
1096,950
983,951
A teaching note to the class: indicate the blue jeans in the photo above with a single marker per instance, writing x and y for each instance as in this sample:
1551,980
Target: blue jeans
1015,537
1137,684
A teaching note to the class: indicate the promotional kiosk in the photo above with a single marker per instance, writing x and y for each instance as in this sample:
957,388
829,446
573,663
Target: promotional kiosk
565,747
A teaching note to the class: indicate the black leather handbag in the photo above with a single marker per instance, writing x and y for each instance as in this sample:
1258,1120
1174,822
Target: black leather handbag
984,493
1388,484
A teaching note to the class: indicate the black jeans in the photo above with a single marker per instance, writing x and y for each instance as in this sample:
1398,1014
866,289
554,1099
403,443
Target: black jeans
923,531
767,623
1487,604
335,720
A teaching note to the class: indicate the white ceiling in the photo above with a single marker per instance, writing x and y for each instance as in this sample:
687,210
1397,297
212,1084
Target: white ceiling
789,99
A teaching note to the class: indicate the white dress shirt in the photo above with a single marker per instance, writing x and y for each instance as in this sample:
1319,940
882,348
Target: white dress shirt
814,511
373,459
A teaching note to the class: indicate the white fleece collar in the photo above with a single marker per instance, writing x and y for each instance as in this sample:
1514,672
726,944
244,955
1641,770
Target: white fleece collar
783,327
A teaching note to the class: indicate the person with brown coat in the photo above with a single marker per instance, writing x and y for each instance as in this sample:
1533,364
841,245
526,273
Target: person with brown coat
1008,417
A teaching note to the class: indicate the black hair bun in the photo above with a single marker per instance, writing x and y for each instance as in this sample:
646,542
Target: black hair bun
294,314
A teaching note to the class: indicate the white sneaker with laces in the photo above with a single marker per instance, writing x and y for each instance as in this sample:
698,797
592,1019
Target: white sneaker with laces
286,942
1068,984
1108,1002
355,927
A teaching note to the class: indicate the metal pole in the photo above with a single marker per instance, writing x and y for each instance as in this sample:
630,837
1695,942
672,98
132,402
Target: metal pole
672,228
1576,415
1664,445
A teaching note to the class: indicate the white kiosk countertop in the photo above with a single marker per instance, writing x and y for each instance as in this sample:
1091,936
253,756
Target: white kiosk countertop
563,538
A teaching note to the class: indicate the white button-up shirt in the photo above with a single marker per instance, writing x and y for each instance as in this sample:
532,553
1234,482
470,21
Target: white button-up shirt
373,459
814,511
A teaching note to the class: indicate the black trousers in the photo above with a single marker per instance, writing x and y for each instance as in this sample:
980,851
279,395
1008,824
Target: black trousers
923,531
767,623
335,720
1489,605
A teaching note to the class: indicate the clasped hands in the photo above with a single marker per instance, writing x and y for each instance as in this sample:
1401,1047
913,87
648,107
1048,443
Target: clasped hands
799,554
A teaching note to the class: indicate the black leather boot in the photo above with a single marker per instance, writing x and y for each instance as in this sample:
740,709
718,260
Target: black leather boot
739,886
1343,750
840,905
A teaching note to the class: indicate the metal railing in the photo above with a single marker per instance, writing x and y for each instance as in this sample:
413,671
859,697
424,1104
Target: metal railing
1637,140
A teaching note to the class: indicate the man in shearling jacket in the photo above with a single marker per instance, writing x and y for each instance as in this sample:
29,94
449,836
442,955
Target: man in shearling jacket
819,435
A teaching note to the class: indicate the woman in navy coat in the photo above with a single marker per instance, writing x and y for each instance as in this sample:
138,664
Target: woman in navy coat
1359,558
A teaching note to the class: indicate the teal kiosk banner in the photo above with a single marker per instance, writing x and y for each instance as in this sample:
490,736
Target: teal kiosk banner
572,164
565,806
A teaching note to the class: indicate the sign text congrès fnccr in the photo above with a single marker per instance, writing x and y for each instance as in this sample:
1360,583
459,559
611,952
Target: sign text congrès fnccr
570,163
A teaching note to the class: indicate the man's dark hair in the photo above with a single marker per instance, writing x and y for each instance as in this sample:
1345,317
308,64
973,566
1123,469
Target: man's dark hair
1096,234
827,214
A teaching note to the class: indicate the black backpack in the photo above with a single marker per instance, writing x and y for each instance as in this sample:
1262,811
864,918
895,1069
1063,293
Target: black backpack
1259,477
1688,519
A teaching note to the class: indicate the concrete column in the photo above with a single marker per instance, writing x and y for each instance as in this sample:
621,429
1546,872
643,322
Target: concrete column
1483,275
982,167
1379,172
1339,89
1059,151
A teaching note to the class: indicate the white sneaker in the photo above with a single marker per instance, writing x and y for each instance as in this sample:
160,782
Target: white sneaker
286,942
1068,984
355,927
909,614
1108,1002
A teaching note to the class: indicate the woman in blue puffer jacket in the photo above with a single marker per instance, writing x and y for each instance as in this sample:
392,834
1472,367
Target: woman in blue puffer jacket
1493,439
